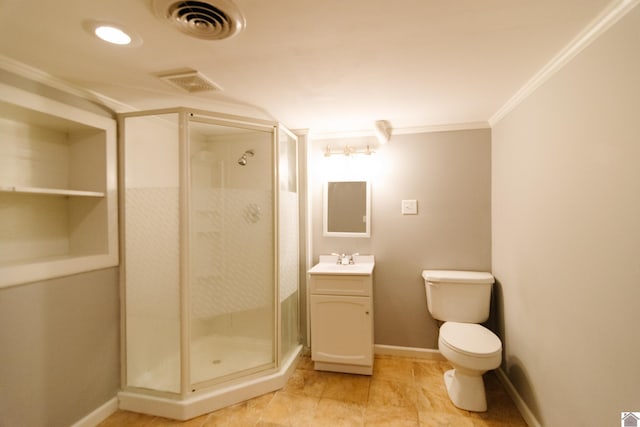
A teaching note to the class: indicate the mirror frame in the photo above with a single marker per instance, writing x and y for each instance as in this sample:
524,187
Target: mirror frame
325,210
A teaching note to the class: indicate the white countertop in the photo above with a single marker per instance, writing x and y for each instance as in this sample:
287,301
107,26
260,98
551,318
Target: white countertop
363,265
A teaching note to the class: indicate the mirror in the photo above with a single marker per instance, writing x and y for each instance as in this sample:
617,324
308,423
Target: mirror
347,209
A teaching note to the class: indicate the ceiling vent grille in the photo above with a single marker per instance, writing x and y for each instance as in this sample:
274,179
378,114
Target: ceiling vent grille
190,81
209,19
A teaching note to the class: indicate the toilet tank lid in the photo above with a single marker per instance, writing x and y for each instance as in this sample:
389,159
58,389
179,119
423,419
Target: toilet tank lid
457,276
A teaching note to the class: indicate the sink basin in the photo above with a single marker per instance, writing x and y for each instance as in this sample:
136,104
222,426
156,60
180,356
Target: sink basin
363,265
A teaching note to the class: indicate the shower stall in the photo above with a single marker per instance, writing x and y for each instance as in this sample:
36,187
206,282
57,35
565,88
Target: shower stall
209,272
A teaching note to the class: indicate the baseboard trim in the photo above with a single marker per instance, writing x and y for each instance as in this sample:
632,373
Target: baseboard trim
99,415
526,413
419,353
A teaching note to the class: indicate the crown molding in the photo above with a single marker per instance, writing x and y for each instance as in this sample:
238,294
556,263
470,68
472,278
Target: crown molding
605,20
442,128
39,76
34,74
400,131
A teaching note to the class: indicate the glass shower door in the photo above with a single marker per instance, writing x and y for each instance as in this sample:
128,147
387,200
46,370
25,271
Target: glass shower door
231,250
288,241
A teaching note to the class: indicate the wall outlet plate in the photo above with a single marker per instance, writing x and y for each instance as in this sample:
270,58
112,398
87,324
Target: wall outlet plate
409,207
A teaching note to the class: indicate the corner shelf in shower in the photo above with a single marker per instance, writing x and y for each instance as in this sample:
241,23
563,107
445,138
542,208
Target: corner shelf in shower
58,188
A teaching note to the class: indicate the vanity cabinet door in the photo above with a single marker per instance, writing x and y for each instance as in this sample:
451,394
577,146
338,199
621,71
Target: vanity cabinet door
342,329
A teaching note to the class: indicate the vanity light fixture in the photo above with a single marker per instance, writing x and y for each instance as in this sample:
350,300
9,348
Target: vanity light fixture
382,129
348,151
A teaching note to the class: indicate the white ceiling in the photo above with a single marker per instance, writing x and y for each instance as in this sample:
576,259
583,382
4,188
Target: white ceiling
328,65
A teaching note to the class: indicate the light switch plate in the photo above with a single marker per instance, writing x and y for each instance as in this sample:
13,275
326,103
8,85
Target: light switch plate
409,207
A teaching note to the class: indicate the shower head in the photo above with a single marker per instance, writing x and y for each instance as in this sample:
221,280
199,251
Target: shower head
242,161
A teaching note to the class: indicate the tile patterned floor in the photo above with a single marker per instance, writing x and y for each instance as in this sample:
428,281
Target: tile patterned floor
403,392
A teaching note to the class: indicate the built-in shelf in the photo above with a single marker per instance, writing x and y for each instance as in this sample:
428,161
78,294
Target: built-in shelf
58,188
50,191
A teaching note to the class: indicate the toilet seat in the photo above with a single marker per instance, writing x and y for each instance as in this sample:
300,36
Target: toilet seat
470,339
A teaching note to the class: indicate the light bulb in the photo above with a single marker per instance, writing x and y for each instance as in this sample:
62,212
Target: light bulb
112,35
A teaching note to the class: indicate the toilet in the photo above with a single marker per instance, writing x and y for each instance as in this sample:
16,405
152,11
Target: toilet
461,300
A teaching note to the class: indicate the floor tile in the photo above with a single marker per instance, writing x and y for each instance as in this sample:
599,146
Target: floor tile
348,388
289,410
389,416
165,422
393,368
443,419
336,413
392,393
307,383
403,392
243,414
126,418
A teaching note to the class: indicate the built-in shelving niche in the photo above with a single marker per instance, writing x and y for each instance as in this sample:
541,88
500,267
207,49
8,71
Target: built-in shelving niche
58,189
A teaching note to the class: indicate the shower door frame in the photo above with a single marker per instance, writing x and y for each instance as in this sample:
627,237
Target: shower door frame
201,117
280,128
184,116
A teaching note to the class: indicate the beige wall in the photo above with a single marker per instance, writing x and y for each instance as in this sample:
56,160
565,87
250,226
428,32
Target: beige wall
449,173
59,349
566,236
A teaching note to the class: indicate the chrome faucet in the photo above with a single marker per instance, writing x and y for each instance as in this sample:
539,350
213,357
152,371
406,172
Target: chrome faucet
344,259
341,258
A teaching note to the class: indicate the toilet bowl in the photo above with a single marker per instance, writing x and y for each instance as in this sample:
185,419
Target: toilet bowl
461,300
472,350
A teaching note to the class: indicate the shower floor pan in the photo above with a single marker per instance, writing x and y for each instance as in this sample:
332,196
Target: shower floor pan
216,397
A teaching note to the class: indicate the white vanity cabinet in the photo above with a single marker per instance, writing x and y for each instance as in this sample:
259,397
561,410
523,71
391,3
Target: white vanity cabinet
342,321
58,188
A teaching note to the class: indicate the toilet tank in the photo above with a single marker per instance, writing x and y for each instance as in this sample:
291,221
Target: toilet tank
458,296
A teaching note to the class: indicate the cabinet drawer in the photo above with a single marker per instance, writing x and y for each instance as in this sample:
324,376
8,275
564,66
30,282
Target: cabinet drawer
341,285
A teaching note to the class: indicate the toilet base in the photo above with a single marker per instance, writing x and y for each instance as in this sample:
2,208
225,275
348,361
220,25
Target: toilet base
466,391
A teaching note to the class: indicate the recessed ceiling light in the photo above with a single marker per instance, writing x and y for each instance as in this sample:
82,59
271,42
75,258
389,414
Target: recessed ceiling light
111,33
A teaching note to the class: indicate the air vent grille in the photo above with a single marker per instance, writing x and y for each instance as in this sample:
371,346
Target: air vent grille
189,80
209,20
